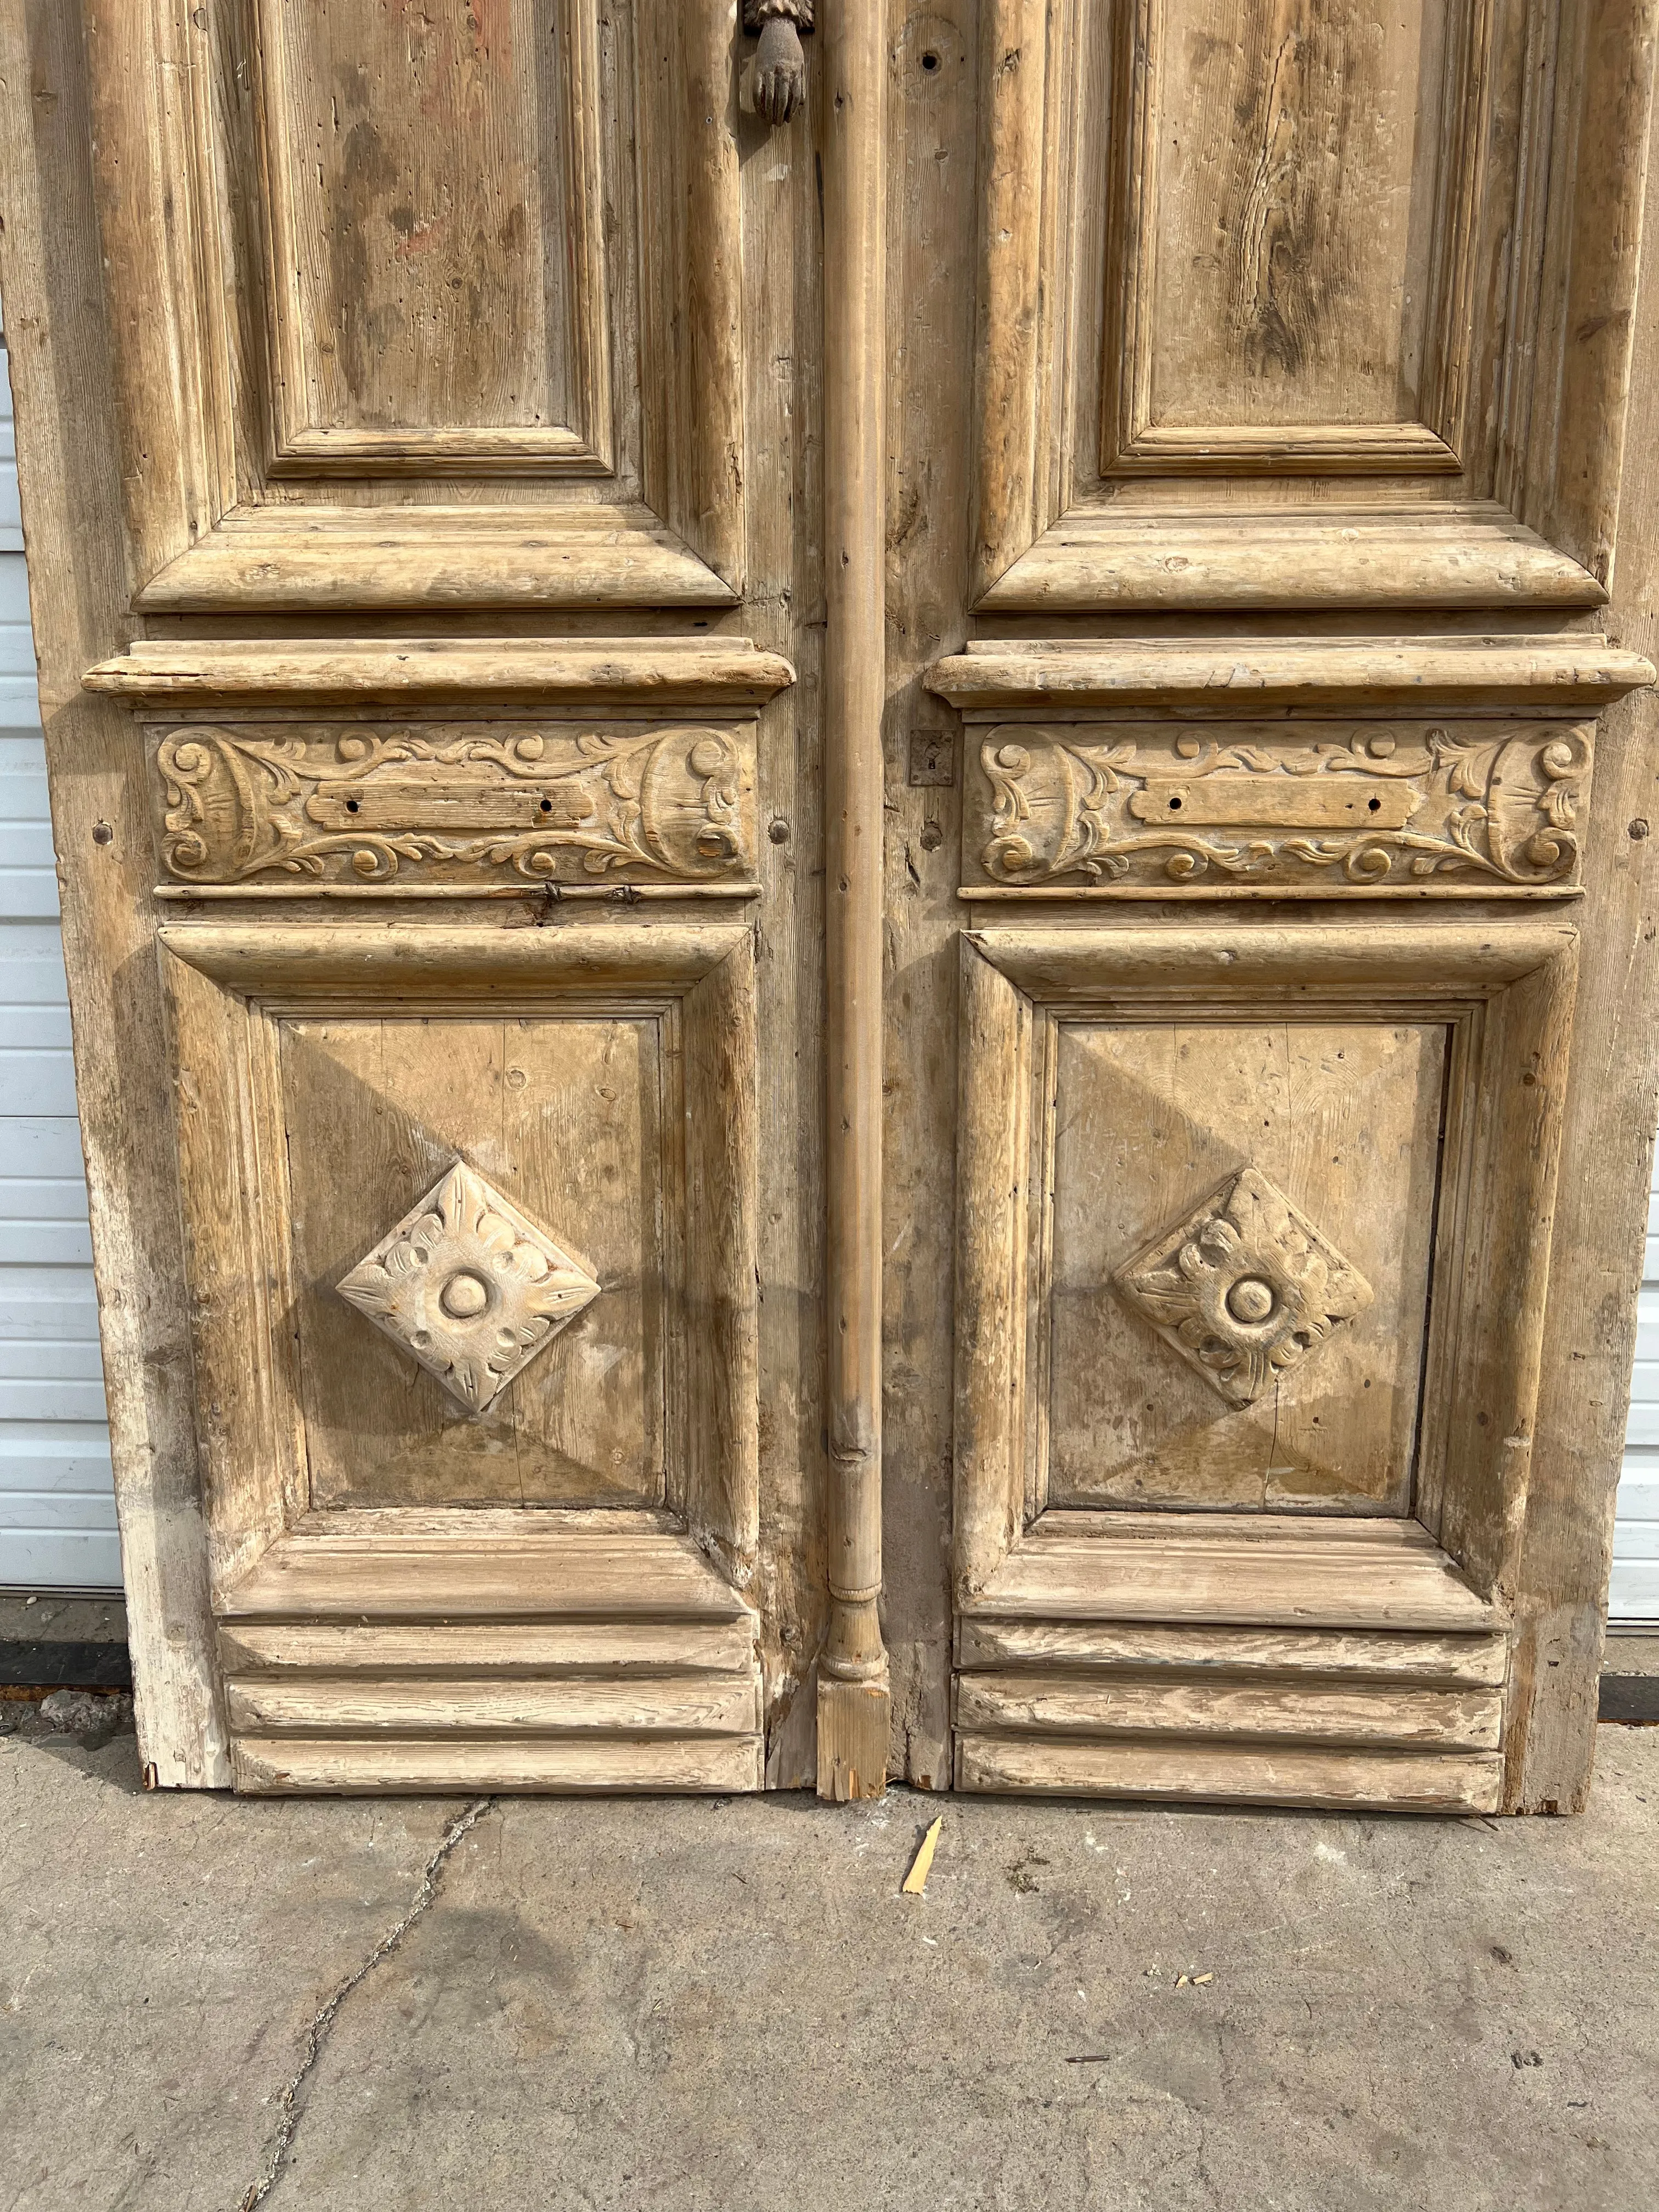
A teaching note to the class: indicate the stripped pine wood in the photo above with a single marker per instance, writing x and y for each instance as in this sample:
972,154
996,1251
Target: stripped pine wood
361,1703
666,671
1300,1581
1008,1705
561,1576
838,492
1468,1661
1319,1779
620,1766
496,1650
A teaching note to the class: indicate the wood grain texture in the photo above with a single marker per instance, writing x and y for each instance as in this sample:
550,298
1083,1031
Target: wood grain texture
1471,1662
625,1766
1610,1110
1291,1573
1384,1781
852,1671
1347,1119
589,673
544,1573
365,1704
70,468
305,213
496,1651
1286,209
1235,676
1354,558
1306,1713
1233,364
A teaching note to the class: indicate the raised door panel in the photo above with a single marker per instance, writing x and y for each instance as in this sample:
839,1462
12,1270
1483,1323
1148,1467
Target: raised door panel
1252,1248
1288,207
425,309
1240,1232
570,1120
1274,306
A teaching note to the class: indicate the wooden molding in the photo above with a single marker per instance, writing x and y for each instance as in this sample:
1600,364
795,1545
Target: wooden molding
370,1659
1453,554
461,806
1214,678
615,481
494,671
231,989
1115,407
854,1703
1503,998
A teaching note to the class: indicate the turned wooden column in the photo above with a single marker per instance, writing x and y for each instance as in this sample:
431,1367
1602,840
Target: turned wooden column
854,1697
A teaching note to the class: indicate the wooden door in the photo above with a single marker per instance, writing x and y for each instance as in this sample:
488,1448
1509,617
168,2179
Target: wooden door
849,999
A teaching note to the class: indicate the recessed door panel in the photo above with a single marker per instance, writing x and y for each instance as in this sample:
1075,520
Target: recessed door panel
1207,1350
566,1119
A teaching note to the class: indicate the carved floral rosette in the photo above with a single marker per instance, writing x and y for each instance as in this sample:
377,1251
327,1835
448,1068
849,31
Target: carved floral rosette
1245,1289
458,804
1481,806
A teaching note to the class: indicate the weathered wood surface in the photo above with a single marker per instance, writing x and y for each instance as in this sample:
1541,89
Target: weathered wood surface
667,672
1294,431
854,1695
1469,1661
1339,1780
1291,1574
1010,1704
1233,676
565,1574
564,1766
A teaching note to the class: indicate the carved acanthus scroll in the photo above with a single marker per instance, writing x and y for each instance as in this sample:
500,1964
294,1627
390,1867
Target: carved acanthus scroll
455,803
1244,1289
1354,806
779,63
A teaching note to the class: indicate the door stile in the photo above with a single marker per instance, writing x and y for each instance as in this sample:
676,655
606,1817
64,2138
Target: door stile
854,1697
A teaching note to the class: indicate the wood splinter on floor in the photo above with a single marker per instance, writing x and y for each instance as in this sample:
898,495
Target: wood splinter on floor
916,1882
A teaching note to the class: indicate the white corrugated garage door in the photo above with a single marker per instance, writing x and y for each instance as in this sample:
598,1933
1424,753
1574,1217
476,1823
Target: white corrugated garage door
57,1504
1635,1593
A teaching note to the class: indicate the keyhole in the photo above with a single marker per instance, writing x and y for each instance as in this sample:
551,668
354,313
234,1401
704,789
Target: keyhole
351,806
547,806
930,63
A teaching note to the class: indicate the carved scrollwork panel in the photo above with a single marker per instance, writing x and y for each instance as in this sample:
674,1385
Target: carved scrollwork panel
463,805
1478,805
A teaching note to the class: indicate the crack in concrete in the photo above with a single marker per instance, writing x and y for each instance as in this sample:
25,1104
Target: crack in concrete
273,2163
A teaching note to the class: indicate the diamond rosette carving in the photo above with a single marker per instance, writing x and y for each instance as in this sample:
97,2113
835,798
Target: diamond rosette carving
469,1287
1245,1288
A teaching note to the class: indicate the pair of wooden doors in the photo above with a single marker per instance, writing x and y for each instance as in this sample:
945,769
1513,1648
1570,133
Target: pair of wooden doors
845,998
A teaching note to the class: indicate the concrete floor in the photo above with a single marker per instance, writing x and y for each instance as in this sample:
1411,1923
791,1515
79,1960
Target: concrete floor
728,2005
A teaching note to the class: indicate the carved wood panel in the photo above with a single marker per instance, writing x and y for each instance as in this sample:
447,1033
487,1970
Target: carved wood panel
1273,306
434,308
574,1123
1196,1172
464,805
438,287
1480,806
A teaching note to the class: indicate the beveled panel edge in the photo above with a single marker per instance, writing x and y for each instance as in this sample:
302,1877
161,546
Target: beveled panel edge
1237,677
1445,554
647,674
305,960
